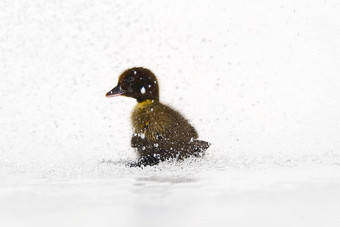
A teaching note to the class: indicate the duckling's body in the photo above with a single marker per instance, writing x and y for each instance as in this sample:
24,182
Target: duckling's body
160,132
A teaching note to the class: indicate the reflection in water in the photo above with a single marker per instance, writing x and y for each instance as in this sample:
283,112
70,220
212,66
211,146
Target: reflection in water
156,192
164,179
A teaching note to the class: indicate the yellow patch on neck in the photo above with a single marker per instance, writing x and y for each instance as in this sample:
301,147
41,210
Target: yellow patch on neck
144,103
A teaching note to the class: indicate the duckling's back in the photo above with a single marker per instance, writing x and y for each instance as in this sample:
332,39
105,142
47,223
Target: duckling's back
161,132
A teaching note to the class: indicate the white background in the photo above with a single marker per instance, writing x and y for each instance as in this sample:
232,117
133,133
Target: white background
258,79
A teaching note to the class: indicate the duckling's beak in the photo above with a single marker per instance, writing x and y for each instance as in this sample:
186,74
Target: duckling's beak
116,91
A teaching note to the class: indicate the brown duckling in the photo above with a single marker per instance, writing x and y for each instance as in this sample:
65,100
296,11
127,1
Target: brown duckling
160,132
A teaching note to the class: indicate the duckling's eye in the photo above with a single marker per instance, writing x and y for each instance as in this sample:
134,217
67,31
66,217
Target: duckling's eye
130,79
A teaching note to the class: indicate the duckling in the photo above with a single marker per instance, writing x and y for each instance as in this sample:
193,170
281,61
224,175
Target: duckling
160,132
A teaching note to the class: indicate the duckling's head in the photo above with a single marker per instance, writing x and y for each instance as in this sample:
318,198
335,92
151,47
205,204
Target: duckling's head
139,83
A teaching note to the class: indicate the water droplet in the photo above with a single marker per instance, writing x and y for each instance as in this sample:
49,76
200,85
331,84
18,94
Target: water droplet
142,90
142,135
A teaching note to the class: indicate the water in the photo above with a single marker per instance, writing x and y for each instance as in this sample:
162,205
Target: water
176,194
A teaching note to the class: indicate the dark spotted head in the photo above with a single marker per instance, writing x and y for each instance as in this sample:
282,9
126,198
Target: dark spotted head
139,83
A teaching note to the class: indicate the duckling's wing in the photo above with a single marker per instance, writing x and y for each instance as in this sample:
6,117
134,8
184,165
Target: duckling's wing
169,125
